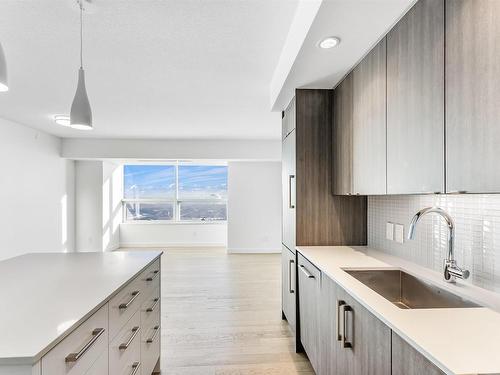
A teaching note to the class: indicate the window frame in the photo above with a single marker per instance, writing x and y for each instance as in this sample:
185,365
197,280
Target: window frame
176,201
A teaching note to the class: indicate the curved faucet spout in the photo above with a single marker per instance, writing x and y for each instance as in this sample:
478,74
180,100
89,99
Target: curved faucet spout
451,270
449,222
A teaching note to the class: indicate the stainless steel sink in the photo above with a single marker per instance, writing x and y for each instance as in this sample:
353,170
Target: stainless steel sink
407,291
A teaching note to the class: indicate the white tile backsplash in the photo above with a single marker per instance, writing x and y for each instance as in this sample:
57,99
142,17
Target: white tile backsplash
477,232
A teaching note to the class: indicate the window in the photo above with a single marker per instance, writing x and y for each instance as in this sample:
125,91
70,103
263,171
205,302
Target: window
176,192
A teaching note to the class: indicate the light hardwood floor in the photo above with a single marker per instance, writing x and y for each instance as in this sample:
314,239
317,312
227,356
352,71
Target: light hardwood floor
221,315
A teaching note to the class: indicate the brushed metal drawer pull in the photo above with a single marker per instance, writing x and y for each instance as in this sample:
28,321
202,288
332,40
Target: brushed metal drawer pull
308,274
129,302
155,274
290,287
135,368
345,343
151,309
125,345
290,204
73,357
340,303
152,338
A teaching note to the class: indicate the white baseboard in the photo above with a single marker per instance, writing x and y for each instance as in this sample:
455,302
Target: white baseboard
253,251
163,244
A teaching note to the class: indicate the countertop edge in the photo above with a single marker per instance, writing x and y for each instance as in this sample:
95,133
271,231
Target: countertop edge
32,360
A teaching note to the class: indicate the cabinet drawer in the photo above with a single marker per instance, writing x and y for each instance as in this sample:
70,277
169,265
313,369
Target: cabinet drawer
124,305
125,349
76,354
150,343
151,278
308,268
150,309
100,367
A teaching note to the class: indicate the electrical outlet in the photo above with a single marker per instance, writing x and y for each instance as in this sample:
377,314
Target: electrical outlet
389,231
399,231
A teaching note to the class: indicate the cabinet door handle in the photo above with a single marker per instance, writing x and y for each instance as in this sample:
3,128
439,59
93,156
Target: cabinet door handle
135,368
73,357
345,343
151,309
308,274
290,205
125,345
155,333
129,302
290,269
340,303
155,274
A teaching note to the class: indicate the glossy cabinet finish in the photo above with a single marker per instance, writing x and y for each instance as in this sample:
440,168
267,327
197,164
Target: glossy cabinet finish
407,361
288,286
289,181
472,95
309,295
342,137
369,123
415,101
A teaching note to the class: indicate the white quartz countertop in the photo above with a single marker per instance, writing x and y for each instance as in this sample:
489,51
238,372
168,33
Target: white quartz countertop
46,295
459,341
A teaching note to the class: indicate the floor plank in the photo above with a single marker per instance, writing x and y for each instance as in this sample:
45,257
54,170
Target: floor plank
221,315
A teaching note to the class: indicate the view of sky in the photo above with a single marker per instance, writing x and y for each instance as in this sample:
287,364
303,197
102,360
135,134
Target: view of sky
158,182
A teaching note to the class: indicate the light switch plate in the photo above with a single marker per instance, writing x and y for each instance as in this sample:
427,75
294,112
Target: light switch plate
399,231
389,231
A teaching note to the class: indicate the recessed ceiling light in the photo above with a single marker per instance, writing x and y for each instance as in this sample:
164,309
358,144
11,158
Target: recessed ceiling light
329,42
62,120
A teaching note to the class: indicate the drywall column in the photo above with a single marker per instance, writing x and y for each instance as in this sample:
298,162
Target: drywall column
89,205
254,207
99,190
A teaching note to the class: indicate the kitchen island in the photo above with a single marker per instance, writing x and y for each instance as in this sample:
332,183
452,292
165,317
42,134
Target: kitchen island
80,313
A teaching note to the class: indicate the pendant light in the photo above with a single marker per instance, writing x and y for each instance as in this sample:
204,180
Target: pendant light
3,72
81,113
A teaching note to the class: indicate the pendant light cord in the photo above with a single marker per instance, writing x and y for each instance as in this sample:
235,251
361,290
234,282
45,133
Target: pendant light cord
81,33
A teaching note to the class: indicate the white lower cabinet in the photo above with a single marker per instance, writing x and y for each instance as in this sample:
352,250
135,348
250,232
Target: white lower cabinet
100,367
76,354
125,349
121,338
151,332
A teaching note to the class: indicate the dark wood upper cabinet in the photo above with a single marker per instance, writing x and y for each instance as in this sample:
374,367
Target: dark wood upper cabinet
369,123
415,101
472,95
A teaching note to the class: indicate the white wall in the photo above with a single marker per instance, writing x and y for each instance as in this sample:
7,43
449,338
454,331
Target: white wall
99,190
173,234
171,149
37,190
254,207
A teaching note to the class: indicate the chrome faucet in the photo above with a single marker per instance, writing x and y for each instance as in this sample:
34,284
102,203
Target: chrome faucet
451,270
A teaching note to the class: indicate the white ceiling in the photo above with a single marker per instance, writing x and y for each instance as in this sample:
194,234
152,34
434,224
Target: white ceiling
178,69
154,68
358,23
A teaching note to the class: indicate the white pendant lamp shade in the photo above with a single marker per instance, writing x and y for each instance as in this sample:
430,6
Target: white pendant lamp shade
3,72
81,114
